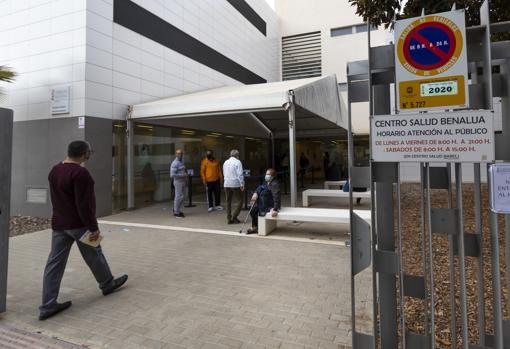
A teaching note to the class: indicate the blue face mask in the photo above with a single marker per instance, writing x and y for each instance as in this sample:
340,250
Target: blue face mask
267,178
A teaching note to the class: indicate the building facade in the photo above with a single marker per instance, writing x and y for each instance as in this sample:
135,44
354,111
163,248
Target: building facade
80,63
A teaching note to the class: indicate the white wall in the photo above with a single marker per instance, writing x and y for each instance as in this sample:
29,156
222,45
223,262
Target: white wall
124,67
44,42
75,42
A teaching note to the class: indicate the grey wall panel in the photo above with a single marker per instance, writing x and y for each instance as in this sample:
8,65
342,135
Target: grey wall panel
37,146
98,132
6,117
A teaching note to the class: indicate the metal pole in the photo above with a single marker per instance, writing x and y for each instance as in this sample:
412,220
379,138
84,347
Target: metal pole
273,164
6,119
375,286
431,260
478,230
462,259
496,278
424,244
130,164
451,259
400,264
292,151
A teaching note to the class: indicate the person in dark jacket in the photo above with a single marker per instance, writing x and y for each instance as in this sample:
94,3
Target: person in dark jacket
74,214
267,198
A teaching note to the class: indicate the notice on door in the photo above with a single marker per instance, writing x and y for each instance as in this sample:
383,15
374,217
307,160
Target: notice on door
464,136
500,188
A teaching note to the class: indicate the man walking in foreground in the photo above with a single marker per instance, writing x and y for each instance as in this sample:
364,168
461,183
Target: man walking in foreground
211,177
74,213
234,185
179,174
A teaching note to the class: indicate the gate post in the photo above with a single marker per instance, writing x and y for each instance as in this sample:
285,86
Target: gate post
6,116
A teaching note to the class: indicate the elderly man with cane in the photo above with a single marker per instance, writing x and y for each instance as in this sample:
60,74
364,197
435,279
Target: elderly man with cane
267,198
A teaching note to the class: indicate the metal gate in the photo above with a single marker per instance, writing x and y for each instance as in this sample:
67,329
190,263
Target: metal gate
439,213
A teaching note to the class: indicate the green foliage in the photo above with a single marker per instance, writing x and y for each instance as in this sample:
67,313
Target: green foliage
382,12
6,74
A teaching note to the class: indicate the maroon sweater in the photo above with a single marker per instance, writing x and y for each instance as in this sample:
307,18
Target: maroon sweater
72,197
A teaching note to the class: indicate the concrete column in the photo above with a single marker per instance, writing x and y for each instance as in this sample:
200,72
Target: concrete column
6,119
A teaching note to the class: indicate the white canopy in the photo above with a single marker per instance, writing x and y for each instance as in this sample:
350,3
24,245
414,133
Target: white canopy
237,108
305,107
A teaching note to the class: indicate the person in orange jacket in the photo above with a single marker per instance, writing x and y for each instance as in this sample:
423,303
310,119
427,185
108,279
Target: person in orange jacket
210,171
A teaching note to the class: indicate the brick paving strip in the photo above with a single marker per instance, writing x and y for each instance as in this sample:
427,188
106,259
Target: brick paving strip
13,338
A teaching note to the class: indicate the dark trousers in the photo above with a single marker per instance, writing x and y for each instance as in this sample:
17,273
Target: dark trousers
213,189
61,243
254,217
233,194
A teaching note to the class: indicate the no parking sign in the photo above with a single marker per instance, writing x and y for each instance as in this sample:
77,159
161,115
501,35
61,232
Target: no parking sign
431,63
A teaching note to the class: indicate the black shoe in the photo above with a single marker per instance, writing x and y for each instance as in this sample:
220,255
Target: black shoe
236,221
43,315
115,284
179,215
252,231
230,222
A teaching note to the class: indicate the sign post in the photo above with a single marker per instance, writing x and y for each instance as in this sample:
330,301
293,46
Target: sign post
431,62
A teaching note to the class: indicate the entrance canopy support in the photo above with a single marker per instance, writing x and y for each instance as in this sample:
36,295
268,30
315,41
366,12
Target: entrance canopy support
292,151
130,163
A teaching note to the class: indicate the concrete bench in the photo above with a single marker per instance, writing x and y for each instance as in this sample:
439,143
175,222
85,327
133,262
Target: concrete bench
316,215
332,193
329,184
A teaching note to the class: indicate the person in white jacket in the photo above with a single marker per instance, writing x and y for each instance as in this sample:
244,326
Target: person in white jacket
234,185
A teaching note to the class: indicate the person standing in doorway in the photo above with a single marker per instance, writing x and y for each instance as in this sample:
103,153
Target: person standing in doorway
211,177
179,174
74,214
234,185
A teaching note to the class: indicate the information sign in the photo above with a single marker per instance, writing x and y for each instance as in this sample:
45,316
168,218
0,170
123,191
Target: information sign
431,63
60,97
466,136
500,188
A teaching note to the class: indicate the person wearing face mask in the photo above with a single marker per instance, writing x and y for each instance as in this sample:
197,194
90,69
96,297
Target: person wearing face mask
211,177
267,198
179,174
74,213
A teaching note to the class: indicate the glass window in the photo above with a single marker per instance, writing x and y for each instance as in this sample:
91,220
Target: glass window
341,31
362,28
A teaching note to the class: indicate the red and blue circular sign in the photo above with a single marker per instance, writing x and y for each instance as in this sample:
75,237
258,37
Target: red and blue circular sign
429,45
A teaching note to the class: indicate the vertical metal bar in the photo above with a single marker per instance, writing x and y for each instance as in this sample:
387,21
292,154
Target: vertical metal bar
496,278
400,264
292,151
462,261
480,274
6,120
451,259
430,264
130,164
273,164
424,246
375,286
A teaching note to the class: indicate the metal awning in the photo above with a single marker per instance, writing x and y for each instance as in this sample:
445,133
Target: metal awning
306,107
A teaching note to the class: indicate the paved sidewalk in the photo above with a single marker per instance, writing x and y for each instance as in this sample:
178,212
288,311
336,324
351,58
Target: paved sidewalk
192,290
13,338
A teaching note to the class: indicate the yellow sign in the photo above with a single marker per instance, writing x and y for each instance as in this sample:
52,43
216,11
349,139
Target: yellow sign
432,93
431,62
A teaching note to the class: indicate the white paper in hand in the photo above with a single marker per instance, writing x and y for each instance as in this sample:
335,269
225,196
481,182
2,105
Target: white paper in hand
86,239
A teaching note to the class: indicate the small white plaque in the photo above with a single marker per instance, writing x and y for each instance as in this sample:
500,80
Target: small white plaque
37,195
60,100
500,188
81,122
